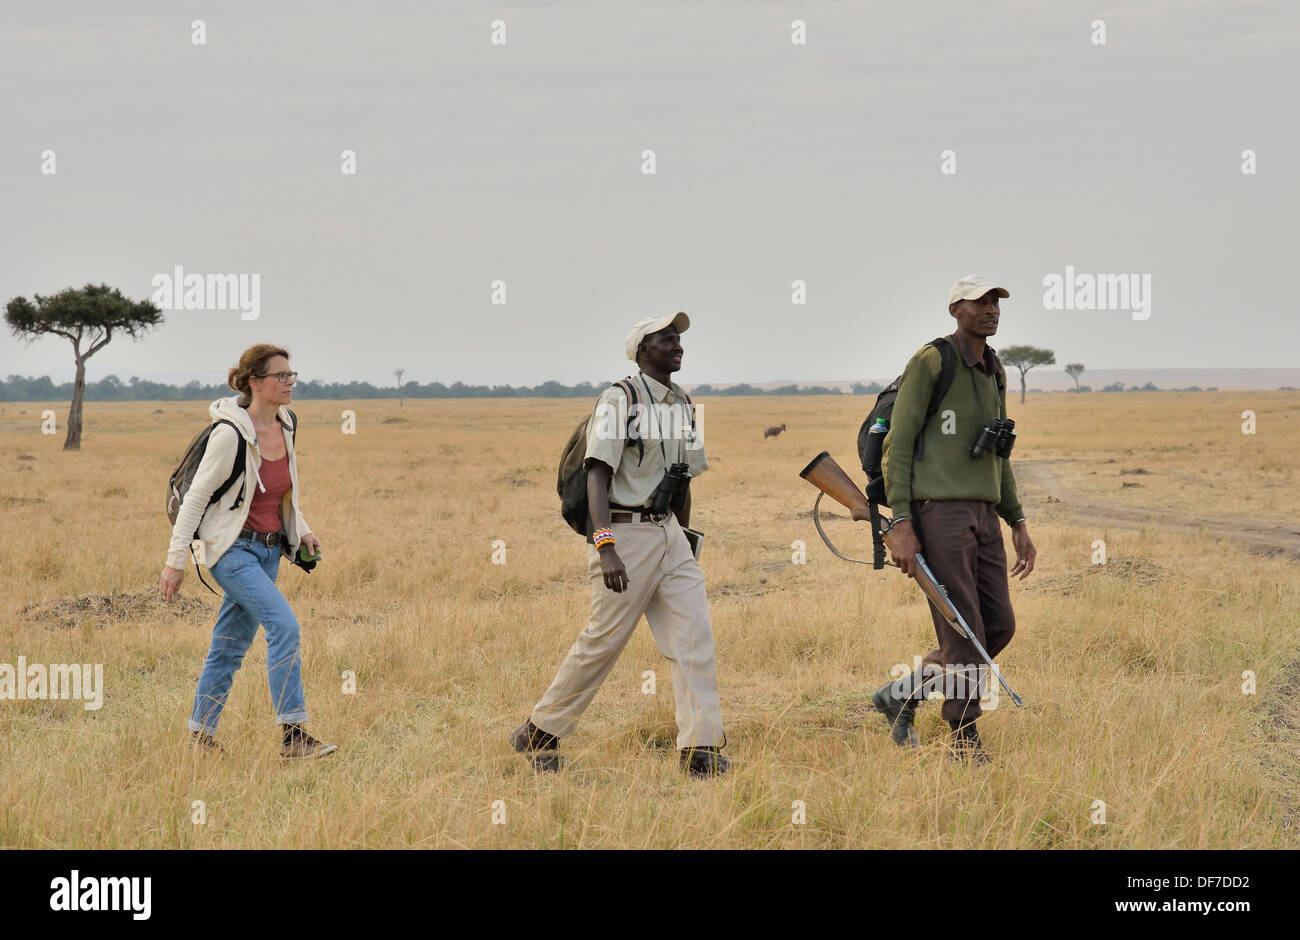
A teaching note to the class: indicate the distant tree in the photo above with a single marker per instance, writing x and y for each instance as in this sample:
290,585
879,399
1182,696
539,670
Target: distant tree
1085,388
1025,358
88,315
397,374
871,388
1114,387
703,390
1074,370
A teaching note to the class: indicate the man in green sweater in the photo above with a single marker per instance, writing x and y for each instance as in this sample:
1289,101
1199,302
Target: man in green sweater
946,504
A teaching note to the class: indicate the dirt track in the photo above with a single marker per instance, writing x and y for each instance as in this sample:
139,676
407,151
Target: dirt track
1037,481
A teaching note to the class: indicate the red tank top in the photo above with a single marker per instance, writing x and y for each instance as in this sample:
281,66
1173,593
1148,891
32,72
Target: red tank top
264,511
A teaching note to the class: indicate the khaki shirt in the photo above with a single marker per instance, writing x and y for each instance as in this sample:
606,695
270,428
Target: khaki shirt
663,425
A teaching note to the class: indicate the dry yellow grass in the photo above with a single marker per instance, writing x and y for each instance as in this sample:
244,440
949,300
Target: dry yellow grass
1131,673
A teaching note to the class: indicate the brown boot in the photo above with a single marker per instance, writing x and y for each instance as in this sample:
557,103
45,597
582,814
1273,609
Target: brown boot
207,743
298,743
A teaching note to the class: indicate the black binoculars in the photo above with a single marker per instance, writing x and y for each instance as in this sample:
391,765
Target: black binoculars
999,436
672,490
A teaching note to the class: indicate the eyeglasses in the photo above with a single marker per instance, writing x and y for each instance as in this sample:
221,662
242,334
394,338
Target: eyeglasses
284,377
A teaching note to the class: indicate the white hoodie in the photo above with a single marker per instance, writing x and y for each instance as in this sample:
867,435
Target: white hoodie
219,525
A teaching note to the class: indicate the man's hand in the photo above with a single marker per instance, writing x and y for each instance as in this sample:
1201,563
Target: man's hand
611,566
170,582
312,543
905,546
1025,553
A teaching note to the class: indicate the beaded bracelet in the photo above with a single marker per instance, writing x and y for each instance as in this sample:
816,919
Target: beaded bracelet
602,537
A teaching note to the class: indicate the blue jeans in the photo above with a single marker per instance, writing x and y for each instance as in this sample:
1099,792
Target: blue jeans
247,573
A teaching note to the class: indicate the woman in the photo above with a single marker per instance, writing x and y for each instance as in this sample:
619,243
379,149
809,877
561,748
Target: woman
243,536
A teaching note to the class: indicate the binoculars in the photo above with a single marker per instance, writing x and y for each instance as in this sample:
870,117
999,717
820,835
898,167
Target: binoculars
999,436
672,490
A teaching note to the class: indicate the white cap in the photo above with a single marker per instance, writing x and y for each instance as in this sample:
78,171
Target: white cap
973,287
678,321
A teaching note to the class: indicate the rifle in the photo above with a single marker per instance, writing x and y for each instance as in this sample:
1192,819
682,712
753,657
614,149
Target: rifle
825,474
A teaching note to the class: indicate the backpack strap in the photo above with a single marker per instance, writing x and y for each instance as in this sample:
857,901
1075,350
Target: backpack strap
241,450
947,370
293,428
628,385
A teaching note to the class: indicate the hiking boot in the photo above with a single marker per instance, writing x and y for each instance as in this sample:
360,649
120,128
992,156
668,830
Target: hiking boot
207,742
704,762
298,743
966,746
541,748
897,701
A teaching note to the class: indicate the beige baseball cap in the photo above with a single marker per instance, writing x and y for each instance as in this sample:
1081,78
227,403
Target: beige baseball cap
973,287
678,321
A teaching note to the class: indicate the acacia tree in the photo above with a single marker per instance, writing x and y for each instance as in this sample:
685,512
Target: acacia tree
1025,358
86,317
1074,370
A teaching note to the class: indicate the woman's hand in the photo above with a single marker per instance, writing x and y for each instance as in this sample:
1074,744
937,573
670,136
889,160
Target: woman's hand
311,543
170,582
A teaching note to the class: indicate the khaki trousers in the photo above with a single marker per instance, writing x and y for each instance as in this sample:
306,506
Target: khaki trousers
665,584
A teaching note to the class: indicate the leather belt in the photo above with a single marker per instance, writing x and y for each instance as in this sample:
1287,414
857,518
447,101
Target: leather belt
266,538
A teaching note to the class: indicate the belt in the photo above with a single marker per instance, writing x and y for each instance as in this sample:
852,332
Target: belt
636,515
266,538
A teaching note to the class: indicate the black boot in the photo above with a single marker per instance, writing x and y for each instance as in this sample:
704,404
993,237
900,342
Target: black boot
897,701
966,745
541,749
704,761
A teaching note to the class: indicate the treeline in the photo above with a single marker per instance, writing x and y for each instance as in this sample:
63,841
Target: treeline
112,388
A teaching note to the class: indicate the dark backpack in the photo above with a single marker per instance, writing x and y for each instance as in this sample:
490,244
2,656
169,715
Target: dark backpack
870,446
571,480
179,483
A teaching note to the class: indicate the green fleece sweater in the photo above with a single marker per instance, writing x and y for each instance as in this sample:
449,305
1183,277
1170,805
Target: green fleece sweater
946,470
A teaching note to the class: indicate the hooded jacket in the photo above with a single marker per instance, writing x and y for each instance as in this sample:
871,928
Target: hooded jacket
219,525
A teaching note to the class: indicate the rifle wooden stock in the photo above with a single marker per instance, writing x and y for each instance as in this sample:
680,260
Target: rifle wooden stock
825,474
829,477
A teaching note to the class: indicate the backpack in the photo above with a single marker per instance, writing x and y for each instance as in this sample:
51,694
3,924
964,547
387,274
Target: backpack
871,446
179,483
571,479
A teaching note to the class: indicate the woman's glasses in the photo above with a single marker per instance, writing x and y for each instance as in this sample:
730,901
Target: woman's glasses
284,378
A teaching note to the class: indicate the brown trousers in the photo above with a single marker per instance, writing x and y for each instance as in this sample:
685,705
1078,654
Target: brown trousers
962,543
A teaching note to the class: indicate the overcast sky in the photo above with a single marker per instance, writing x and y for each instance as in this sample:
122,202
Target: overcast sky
775,161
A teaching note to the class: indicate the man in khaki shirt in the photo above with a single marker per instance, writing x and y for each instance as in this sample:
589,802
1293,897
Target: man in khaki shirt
647,566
